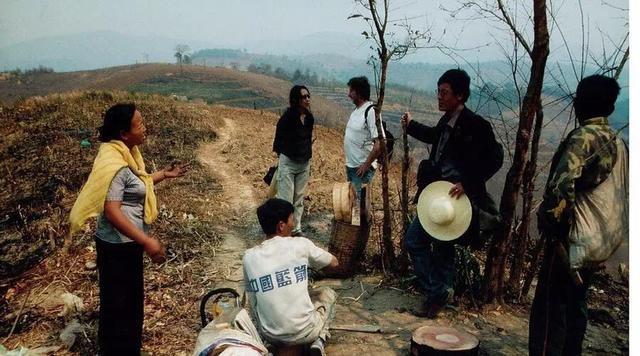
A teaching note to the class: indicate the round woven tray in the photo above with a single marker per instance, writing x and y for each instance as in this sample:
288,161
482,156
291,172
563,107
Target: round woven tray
344,197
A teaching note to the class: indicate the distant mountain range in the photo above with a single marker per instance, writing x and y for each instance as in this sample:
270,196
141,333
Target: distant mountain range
331,55
90,50
94,50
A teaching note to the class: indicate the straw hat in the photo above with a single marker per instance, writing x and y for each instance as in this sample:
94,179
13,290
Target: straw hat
343,199
442,216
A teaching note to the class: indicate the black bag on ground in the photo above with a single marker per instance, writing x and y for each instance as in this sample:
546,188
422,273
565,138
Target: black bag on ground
268,177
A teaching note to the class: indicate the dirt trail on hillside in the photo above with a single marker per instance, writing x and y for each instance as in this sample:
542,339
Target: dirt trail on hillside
238,199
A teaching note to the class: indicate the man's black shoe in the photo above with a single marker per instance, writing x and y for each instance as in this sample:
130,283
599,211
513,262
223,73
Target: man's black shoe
434,310
422,311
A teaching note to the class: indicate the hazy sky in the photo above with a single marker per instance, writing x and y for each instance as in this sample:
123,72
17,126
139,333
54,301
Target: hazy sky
229,23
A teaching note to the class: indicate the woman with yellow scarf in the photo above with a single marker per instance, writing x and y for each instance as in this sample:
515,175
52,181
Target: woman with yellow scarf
120,193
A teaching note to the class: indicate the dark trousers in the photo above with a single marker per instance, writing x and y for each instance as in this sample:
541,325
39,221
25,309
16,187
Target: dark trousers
559,312
121,298
433,262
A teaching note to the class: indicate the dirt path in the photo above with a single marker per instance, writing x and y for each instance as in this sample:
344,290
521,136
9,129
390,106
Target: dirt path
239,199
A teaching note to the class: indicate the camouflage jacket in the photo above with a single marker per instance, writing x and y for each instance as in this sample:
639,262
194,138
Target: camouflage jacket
583,160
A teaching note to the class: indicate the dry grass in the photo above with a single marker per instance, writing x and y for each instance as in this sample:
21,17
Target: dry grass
45,167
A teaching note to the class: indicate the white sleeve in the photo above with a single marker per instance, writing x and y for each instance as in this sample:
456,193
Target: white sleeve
318,258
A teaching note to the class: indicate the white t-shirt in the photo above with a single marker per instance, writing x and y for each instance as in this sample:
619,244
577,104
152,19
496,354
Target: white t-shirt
276,280
358,136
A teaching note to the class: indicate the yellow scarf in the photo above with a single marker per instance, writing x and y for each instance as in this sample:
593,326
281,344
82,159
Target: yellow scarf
112,156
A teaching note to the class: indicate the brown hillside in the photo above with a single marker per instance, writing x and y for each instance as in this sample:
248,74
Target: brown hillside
120,78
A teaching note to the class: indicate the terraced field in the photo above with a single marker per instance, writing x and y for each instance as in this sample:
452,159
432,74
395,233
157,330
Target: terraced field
211,90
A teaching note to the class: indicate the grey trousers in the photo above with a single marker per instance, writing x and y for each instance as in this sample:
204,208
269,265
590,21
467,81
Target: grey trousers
292,184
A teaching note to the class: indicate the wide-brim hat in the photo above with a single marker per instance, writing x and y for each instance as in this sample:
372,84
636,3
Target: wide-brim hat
343,200
441,215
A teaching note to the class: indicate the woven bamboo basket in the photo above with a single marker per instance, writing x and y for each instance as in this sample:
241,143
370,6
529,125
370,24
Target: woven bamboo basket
348,241
343,245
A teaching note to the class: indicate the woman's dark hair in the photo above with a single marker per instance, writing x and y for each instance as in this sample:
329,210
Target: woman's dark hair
361,86
459,81
596,96
272,212
116,119
295,95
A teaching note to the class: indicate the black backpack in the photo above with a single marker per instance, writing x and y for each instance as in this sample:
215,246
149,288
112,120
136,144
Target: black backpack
391,140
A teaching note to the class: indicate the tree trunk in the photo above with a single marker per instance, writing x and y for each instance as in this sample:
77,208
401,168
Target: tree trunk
403,263
520,240
388,254
533,267
497,257
515,273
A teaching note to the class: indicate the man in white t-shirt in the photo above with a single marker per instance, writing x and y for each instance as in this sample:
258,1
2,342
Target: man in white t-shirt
361,144
276,277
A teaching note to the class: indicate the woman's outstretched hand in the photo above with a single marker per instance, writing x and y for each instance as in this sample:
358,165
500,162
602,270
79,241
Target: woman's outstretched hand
175,170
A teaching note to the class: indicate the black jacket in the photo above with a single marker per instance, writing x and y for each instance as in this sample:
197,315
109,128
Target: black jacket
293,138
472,147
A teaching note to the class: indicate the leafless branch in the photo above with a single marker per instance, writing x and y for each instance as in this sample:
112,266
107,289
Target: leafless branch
623,9
507,19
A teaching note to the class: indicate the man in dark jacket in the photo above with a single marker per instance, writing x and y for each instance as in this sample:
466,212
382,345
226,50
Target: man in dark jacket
464,152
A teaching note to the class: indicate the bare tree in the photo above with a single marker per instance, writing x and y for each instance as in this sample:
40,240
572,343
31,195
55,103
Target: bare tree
514,235
531,103
387,48
610,62
181,54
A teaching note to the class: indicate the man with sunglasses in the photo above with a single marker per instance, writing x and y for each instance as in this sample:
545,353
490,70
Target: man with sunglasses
464,152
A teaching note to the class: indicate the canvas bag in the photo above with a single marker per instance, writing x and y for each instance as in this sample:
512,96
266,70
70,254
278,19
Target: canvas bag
601,220
238,338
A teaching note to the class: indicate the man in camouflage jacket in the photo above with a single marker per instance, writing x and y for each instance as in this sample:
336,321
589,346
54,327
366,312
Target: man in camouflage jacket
583,160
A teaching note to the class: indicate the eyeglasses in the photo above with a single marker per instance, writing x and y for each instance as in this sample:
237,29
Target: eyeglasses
306,96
